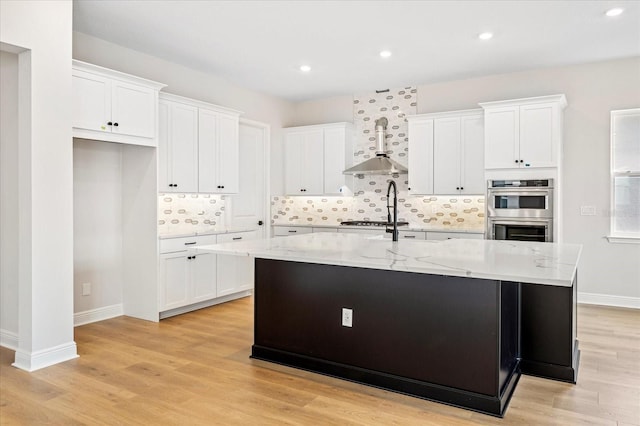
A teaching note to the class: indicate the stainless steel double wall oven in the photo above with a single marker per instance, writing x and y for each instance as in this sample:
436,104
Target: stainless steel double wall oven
520,210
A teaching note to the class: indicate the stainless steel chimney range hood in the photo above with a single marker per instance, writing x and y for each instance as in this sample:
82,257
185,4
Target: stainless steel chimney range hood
381,164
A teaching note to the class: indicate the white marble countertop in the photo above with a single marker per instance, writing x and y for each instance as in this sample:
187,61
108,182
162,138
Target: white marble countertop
529,262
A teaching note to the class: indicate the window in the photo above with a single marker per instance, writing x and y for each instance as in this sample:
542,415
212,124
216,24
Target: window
625,175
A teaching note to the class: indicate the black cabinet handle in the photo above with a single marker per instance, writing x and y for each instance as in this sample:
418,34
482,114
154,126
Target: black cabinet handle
408,236
237,238
292,230
190,244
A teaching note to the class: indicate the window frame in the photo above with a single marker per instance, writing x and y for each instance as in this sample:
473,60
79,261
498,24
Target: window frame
618,237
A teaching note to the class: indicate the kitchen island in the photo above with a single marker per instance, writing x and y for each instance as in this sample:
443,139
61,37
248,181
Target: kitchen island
455,321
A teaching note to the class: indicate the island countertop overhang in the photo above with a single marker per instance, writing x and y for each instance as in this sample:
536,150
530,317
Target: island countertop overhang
528,262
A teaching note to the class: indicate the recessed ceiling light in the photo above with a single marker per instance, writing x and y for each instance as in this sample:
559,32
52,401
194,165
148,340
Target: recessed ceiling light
614,12
305,68
485,36
385,53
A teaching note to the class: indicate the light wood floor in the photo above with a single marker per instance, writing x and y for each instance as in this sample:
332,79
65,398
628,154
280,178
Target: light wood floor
195,369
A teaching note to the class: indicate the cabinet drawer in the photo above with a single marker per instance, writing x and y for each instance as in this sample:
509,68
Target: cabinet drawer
411,235
238,236
170,245
323,229
449,235
281,231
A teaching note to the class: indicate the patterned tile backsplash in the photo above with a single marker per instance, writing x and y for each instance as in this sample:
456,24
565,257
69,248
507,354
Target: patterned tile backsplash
395,105
437,212
189,213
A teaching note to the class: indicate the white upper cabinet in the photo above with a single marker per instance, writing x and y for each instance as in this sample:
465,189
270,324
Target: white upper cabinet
472,155
113,106
178,147
445,153
315,157
198,147
420,155
218,160
523,133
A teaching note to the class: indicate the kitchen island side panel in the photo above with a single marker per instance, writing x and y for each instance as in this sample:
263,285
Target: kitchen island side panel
549,346
436,329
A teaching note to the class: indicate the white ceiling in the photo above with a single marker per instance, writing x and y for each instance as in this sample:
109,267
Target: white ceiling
261,44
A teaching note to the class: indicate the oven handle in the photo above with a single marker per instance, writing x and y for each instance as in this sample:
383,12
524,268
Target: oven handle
528,192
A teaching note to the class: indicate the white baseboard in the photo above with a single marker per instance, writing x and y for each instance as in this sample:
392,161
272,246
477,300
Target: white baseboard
32,361
609,300
98,314
9,339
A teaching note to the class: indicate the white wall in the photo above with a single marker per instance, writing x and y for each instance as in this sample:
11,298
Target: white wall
97,226
609,273
8,199
330,110
41,31
194,84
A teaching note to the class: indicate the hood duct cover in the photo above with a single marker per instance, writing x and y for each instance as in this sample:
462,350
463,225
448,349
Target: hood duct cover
379,165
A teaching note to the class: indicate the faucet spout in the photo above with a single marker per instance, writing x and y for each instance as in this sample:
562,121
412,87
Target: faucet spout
394,220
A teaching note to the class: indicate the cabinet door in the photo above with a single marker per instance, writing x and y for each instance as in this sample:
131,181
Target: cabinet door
420,157
164,155
91,101
174,280
537,147
207,138
183,147
227,162
335,160
227,274
446,155
472,167
501,138
313,163
133,109
203,277
294,146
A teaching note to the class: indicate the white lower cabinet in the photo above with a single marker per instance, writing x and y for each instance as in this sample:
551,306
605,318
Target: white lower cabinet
235,273
189,277
186,276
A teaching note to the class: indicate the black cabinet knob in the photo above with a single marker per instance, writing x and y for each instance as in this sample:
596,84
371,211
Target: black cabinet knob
409,188
516,161
109,124
115,124
260,223
522,161
457,188
461,188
